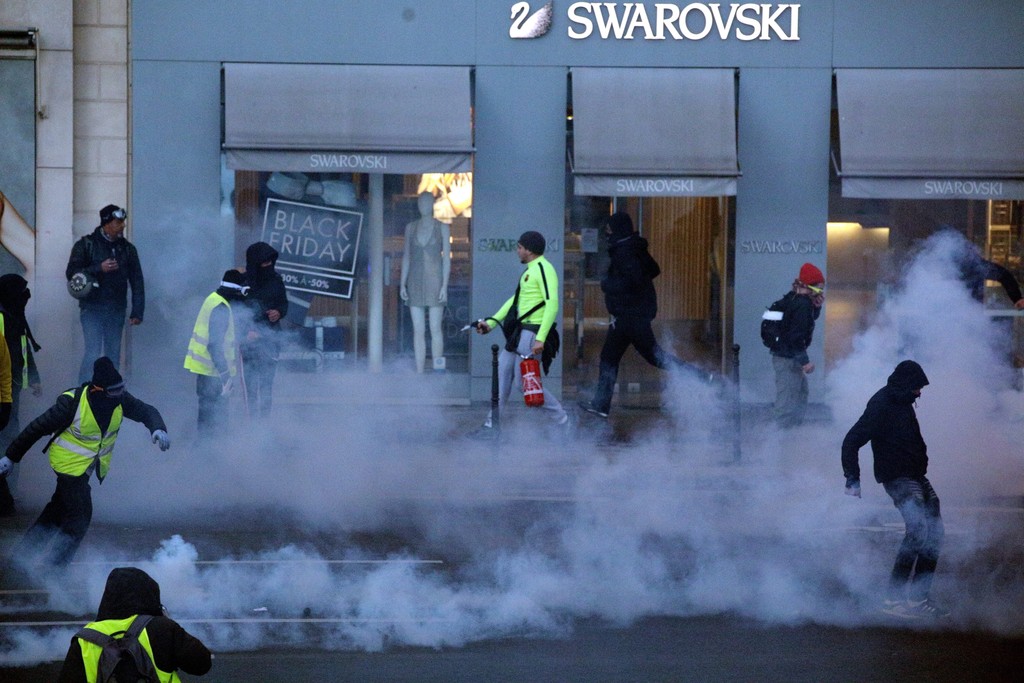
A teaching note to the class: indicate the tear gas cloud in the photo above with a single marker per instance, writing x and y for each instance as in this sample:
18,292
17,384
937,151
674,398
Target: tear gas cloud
535,536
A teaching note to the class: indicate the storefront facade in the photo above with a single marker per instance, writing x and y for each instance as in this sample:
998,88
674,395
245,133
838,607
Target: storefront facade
754,112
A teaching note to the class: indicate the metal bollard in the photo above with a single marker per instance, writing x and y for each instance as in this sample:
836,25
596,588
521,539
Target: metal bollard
737,416
495,416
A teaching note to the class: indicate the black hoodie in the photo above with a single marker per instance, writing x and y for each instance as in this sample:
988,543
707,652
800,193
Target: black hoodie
629,285
890,424
266,288
130,591
14,295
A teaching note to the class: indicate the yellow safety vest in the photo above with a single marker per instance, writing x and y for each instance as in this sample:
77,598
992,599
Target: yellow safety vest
198,358
83,447
24,349
91,651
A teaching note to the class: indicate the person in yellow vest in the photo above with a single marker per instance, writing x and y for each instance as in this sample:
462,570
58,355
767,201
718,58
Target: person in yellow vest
84,423
132,595
213,351
14,295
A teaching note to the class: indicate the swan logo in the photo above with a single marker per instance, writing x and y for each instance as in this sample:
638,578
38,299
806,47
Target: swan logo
527,25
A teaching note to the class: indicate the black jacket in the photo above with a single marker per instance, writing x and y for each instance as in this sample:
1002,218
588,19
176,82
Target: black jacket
974,270
14,296
87,255
14,327
266,288
629,285
797,328
59,417
890,424
130,591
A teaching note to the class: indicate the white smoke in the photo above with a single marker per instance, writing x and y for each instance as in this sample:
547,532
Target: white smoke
483,541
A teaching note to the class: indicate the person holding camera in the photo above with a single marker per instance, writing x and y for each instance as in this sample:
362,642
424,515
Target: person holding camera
110,265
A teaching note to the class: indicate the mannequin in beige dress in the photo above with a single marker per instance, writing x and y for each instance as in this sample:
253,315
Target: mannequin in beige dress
17,236
426,265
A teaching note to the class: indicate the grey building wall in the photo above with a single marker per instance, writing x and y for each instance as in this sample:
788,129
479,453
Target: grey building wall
784,108
519,184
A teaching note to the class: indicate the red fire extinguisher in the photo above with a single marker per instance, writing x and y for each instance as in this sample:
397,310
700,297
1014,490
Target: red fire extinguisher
533,392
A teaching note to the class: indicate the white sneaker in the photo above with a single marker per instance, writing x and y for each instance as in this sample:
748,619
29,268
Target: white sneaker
905,609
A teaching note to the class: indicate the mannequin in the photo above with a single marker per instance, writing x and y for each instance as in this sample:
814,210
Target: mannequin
17,236
426,265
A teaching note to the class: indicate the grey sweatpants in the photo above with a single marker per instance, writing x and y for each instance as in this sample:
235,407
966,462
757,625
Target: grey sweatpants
508,375
790,391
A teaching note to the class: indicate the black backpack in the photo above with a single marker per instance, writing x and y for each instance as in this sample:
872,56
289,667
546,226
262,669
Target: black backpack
123,660
771,322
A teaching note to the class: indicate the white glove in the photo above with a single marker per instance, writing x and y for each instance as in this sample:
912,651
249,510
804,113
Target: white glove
5,466
227,386
160,436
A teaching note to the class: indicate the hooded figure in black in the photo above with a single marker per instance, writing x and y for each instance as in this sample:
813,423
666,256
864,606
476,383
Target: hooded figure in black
900,464
632,302
14,295
60,528
213,350
131,592
268,301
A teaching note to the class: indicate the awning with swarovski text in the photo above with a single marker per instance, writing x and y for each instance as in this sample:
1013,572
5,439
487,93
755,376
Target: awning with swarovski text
931,133
332,118
654,132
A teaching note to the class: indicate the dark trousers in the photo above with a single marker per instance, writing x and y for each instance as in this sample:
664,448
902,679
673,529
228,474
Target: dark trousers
213,408
623,332
919,552
55,536
101,329
259,365
6,437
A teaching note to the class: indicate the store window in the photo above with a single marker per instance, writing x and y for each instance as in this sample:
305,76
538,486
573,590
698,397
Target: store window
18,83
329,164
673,170
317,222
914,154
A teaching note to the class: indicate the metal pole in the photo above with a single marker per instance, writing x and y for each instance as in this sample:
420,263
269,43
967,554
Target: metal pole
495,417
737,421
375,315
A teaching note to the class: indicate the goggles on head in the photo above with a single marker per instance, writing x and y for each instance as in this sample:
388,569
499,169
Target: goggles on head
114,391
120,214
244,289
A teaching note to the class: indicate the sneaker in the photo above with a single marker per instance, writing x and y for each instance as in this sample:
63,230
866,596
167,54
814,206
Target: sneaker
484,432
589,407
568,426
905,609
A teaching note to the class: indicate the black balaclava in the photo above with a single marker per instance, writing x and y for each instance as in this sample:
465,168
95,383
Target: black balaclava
237,292
129,591
907,378
621,226
256,255
106,391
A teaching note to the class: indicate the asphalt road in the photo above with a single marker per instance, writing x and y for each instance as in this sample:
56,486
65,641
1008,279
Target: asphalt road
719,648
561,536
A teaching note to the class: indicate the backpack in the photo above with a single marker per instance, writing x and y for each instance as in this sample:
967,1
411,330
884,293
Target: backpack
771,322
123,660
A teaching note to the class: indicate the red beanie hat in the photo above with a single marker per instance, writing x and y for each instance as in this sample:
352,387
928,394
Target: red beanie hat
810,275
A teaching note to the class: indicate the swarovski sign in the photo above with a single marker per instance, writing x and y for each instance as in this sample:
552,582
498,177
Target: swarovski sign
695,21
744,21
